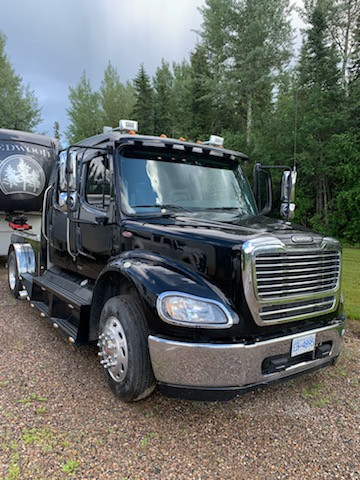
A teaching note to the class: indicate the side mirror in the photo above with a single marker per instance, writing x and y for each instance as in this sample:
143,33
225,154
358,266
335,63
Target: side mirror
262,189
63,200
71,170
287,209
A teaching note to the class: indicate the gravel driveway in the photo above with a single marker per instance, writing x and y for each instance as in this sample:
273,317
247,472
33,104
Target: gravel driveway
59,420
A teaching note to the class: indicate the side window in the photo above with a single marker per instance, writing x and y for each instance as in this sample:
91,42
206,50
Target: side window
98,189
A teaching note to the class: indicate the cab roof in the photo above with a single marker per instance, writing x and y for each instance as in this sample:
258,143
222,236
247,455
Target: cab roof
117,138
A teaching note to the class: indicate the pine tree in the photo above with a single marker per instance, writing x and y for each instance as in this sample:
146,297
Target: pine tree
182,99
57,130
163,100
247,43
116,100
19,107
84,111
129,100
342,23
144,105
203,121
321,114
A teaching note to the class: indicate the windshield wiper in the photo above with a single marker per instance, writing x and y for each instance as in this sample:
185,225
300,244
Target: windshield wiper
165,206
220,208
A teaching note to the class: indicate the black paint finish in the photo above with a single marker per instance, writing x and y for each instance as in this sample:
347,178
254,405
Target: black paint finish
196,253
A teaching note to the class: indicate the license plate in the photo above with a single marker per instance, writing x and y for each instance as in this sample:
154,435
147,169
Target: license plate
303,345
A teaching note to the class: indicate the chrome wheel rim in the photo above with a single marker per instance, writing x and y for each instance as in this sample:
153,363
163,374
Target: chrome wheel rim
12,274
113,349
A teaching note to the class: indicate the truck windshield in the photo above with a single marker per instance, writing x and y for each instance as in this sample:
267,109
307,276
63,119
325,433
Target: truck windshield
189,184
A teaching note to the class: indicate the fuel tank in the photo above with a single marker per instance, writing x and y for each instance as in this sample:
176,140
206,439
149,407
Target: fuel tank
26,160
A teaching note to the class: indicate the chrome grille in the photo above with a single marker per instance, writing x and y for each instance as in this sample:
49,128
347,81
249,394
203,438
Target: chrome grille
286,283
296,309
280,275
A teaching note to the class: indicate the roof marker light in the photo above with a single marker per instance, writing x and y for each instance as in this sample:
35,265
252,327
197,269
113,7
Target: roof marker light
128,125
215,141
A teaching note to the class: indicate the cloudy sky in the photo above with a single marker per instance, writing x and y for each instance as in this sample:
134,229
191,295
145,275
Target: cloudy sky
51,43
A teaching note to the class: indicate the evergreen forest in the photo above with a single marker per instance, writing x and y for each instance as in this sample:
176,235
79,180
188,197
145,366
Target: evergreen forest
246,81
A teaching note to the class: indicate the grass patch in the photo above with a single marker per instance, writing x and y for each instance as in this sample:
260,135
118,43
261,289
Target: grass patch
144,442
313,393
350,282
39,437
70,466
33,398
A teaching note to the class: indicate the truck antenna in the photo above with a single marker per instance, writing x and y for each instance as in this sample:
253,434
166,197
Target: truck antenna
296,121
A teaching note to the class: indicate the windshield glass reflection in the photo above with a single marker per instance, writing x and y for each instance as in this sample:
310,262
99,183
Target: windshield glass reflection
150,186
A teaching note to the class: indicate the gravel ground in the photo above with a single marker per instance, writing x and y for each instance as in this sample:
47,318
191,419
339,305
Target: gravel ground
59,420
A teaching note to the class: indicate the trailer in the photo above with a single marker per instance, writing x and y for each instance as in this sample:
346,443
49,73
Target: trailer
26,160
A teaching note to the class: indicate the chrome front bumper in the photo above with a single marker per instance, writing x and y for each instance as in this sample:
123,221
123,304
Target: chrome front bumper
229,366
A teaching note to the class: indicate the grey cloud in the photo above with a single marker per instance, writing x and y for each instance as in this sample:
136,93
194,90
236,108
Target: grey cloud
51,43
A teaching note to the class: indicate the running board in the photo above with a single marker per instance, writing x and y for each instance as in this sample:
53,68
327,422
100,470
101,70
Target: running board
66,326
65,303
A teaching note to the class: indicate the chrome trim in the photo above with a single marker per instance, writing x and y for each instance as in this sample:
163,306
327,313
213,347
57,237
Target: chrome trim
209,365
231,319
25,258
68,239
273,246
43,216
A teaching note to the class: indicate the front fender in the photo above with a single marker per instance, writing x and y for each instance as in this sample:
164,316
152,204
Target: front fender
153,274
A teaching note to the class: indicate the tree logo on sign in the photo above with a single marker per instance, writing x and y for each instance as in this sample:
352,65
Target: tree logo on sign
21,174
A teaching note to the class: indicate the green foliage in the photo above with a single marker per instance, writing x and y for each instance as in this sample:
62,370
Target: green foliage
84,111
163,100
350,282
57,130
116,100
182,99
144,105
247,44
202,112
144,442
19,108
70,466
313,393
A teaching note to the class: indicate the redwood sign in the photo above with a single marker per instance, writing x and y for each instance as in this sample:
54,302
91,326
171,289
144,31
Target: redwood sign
21,174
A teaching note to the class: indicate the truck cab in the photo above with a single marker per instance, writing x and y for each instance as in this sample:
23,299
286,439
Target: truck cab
158,250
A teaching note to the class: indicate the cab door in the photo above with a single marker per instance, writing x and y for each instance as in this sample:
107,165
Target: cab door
96,218
61,230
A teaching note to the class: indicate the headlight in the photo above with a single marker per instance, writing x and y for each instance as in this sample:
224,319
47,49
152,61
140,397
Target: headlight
190,311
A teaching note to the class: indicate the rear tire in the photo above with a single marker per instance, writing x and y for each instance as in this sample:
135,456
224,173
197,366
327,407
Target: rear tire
124,351
13,275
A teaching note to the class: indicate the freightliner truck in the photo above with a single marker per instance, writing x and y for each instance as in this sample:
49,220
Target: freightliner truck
159,251
26,160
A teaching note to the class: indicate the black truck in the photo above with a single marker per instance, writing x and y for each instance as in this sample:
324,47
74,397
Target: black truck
158,250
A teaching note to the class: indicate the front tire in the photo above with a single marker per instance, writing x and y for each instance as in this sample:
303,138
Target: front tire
124,352
13,275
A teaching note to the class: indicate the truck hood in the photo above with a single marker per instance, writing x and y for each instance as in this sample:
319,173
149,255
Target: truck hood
213,231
